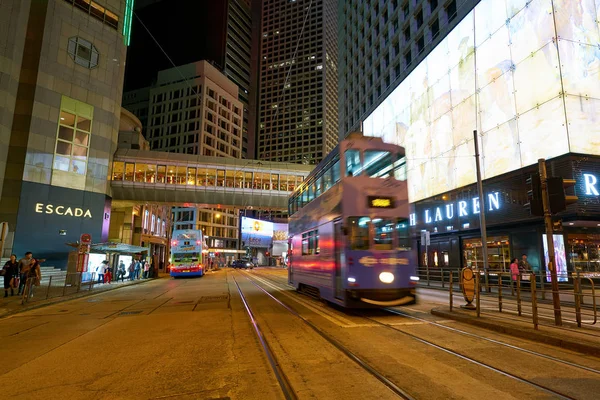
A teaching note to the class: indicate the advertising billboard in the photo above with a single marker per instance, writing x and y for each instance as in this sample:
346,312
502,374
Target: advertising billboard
560,258
498,72
256,233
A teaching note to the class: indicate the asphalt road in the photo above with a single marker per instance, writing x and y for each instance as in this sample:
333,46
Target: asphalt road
193,339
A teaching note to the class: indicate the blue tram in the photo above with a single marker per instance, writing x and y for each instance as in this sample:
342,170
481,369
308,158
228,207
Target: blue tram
350,241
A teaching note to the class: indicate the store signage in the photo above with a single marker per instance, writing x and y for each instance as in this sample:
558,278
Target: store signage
463,208
42,208
370,261
380,202
590,185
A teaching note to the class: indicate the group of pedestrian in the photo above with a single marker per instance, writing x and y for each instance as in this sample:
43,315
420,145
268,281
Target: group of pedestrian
518,268
17,274
138,269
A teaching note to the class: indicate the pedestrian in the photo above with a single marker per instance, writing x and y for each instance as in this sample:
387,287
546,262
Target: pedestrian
146,269
524,266
107,271
100,273
11,273
121,272
34,276
24,264
132,270
136,271
514,272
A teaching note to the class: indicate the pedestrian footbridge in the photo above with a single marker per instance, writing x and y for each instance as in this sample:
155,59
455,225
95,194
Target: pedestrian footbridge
141,176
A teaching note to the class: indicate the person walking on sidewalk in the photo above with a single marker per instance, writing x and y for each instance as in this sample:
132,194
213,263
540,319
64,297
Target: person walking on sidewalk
24,264
132,270
121,272
138,268
107,271
11,273
34,277
146,269
514,273
524,266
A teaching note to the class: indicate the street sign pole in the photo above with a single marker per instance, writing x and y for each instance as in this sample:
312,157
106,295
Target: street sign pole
482,222
550,242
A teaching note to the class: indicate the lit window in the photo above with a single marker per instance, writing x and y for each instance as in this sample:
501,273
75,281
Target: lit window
83,52
73,137
146,215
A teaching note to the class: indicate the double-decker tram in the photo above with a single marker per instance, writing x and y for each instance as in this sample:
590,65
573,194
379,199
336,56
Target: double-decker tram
349,227
186,253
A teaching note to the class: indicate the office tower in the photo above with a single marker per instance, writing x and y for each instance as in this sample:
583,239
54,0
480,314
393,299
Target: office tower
381,42
194,110
218,31
62,81
298,81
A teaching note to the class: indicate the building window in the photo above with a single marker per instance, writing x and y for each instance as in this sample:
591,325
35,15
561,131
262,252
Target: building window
98,12
146,215
83,52
451,10
73,136
435,28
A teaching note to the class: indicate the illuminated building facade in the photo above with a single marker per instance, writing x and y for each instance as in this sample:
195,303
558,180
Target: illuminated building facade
524,76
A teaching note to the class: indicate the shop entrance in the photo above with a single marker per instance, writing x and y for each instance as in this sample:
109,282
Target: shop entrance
498,248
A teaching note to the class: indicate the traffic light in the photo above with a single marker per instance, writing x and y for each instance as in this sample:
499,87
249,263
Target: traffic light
534,195
559,200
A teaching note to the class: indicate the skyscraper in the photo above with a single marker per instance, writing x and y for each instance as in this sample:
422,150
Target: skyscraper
298,80
218,31
381,43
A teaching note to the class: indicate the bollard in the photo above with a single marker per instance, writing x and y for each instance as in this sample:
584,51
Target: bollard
49,286
65,285
577,293
519,294
534,314
500,291
79,279
91,285
542,286
478,294
442,272
450,290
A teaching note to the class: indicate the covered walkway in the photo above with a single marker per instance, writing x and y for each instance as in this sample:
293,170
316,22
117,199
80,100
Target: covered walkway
159,177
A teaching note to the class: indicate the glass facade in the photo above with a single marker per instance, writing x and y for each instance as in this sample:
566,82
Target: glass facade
522,73
206,177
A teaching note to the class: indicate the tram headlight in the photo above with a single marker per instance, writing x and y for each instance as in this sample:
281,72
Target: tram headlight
351,280
414,278
386,277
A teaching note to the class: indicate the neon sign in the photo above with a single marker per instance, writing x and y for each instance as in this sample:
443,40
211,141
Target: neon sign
380,202
463,208
590,185
41,208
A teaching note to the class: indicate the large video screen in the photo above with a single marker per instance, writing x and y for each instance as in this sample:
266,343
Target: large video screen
256,233
560,258
509,50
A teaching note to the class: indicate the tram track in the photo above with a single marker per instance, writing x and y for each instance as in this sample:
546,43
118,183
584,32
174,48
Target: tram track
465,357
286,387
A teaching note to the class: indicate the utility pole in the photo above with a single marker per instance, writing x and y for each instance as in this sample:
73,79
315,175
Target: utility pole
550,241
482,222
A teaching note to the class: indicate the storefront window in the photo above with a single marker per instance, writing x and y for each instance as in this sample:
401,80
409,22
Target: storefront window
211,177
498,253
229,178
171,174
584,251
129,170
181,175
274,181
118,169
161,174
201,181
191,179
220,178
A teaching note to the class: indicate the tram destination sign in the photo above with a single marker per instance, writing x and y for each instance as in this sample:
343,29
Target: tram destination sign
380,202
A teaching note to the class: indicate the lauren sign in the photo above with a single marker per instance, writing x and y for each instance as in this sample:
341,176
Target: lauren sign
42,208
462,208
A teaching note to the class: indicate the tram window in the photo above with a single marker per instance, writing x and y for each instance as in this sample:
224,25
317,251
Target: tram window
335,171
327,181
353,165
400,168
304,196
311,192
318,186
403,234
359,232
383,230
377,163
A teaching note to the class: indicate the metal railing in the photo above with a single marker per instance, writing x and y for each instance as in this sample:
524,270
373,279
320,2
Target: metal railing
56,286
526,295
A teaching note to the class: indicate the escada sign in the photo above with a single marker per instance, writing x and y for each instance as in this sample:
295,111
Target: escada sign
462,208
42,208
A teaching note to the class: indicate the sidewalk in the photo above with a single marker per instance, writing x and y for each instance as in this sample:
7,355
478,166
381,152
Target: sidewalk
566,337
12,304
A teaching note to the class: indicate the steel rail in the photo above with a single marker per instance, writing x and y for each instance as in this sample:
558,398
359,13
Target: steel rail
389,384
284,383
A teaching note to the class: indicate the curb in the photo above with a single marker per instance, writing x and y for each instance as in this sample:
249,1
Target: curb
80,295
522,332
